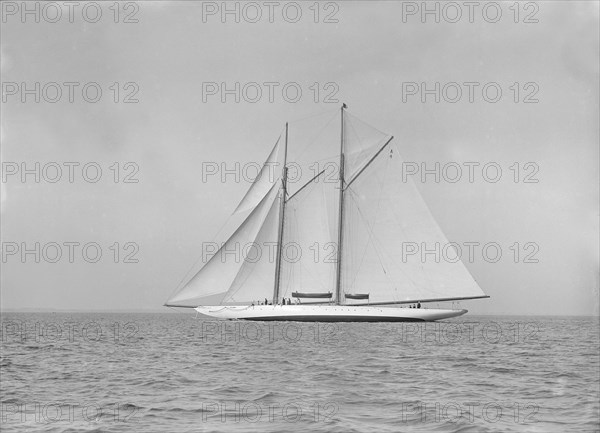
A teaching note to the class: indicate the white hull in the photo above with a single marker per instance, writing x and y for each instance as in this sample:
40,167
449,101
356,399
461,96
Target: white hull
327,313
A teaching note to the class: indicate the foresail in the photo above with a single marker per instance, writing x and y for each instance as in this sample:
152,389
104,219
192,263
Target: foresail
211,283
269,174
309,240
385,222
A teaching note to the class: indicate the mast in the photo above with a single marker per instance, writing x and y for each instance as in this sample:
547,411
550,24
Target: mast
340,213
281,221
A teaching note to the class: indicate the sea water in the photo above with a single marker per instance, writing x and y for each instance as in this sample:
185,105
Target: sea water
175,372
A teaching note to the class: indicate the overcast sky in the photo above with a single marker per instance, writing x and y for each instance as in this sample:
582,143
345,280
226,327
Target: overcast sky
367,54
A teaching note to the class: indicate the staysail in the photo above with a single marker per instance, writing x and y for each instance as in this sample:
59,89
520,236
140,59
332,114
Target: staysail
213,282
256,276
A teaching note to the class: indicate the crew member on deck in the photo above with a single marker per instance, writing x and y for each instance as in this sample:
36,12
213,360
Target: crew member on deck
419,304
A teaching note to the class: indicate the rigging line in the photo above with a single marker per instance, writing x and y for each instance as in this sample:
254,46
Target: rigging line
288,268
355,132
283,268
424,274
381,185
299,269
264,219
192,269
365,249
306,184
372,238
258,175
295,270
322,229
335,110
288,233
229,296
315,278
329,230
265,164
352,235
247,265
376,240
311,142
362,148
401,268
365,123
313,161
176,310
370,161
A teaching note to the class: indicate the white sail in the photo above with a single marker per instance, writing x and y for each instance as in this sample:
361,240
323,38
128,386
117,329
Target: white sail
309,240
212,282
269,174
385,219
256,278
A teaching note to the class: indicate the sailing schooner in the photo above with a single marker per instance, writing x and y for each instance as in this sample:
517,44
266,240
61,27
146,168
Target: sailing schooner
338,242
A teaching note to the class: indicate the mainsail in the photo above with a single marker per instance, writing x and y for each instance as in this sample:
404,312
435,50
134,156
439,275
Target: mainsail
387,228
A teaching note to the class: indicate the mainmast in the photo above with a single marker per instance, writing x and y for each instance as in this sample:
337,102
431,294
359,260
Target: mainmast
281,221
338,290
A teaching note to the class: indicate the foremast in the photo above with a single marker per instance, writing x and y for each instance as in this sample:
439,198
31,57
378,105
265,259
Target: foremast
281,221
338,280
